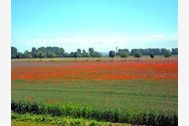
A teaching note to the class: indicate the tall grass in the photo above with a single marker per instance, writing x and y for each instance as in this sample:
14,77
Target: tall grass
111,115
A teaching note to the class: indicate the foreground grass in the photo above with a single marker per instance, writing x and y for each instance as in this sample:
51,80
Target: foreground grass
28,123
142,117
47,120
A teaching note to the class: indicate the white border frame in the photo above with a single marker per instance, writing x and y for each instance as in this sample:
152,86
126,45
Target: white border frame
5,67
183,62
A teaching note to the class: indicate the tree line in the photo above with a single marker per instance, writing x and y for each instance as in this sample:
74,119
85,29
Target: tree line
53,52
123,53
57,52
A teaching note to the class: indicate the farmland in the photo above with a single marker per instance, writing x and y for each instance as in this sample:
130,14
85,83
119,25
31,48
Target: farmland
131,91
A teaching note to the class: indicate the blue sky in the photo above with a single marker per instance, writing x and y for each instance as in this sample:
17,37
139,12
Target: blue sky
102,24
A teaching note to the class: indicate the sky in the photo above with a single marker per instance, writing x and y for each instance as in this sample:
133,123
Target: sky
101,24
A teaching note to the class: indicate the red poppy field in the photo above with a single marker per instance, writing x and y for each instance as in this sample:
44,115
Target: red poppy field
117,70
131,87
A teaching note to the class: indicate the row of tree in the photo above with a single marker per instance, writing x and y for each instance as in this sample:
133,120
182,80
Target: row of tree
155,51
53,52
57,52
123,53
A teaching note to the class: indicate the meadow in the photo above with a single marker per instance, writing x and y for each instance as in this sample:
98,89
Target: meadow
116,91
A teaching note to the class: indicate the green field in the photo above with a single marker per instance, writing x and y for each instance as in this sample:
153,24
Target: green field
125,96
146,95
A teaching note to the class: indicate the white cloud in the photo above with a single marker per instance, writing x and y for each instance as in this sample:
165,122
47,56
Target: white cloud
100,43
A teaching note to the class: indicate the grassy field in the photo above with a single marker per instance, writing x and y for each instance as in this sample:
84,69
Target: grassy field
133,95
150,96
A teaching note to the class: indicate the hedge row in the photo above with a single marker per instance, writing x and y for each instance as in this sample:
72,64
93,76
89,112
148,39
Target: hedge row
114,115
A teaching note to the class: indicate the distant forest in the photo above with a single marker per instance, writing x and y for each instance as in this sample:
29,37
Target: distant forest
57,52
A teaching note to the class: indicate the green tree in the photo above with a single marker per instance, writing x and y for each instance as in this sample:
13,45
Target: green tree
13,52
91,52
122,50
78,52
59,52
111,53
138,54
19,55
27,54
84,54
41,54
51,55
174,51
123,53
163,51
75,55
34,52
167,54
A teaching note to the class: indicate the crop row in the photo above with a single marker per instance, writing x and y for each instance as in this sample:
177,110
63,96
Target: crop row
113,115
